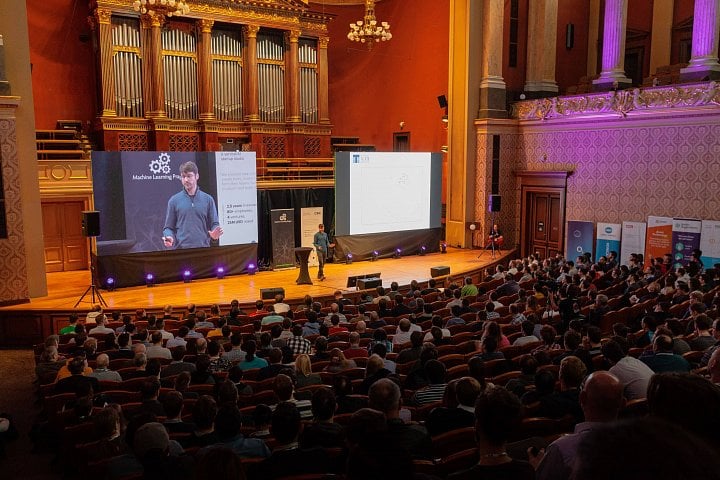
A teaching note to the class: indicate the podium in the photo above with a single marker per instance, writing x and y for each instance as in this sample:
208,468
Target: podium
303,253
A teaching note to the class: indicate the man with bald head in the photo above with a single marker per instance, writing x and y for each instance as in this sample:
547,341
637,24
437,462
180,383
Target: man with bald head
601,400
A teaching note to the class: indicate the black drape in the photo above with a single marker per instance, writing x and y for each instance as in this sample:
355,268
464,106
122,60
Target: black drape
295,198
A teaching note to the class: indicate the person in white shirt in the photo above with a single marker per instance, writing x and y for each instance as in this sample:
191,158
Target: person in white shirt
161,328
92,314
100,327
403,335
527,327
102,372
280,306
633,373
180,339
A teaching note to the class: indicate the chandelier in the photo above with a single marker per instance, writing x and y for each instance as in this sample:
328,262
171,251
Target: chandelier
368,30
161,8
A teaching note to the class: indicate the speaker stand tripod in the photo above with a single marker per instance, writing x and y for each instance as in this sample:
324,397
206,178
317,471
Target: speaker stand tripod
492,240
92,289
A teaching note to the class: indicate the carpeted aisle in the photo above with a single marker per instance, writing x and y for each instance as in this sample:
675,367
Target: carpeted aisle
17,398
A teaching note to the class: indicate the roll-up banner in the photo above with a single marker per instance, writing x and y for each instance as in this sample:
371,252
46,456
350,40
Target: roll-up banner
710,243
685,239
283,238
310,218
579,238
633,240
608,239
658,240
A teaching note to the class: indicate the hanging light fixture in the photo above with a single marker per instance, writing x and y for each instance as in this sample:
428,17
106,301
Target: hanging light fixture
161,8
369,30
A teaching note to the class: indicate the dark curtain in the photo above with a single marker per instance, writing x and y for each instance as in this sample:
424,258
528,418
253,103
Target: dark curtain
295,198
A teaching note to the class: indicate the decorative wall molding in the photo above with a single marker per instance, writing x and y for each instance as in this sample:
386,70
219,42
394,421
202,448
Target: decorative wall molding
623,103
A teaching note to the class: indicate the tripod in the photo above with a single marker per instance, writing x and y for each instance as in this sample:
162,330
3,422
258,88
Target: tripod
493,238
93,290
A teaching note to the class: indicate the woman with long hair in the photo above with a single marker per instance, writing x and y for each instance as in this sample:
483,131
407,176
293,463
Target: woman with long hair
303,372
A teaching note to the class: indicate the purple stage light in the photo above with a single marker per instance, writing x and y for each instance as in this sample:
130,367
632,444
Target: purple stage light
251,268
220,272
149,279
187,276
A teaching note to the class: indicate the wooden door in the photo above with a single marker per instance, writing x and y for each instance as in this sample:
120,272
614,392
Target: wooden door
544,223
65,245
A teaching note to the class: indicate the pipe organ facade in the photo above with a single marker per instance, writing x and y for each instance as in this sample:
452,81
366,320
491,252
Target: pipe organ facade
251,76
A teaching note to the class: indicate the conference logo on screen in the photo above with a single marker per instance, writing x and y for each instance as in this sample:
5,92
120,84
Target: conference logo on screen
159,169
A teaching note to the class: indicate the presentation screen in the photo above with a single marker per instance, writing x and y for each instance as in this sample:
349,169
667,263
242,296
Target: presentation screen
161,201
387,192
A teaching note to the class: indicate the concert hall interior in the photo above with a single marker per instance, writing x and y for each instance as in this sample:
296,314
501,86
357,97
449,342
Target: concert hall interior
529,115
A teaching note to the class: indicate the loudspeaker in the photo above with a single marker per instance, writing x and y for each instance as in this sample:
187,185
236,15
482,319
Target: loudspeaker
365,283
439,271
494,203
442,101
90,223
569,36
269,293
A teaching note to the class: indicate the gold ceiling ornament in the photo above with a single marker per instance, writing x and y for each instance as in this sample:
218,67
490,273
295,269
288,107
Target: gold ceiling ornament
161,8
369,30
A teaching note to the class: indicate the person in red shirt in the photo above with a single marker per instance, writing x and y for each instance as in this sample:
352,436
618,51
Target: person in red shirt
355,350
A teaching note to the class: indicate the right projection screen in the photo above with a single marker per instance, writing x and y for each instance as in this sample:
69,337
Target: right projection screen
379,192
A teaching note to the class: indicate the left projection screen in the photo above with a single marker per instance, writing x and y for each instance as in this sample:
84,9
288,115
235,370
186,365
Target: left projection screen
143,199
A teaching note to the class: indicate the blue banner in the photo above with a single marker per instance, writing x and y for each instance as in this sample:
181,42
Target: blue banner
608,240
685,239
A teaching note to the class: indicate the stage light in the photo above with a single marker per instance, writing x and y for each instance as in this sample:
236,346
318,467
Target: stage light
374,255
110,284
443,247
220,272
251,269
348,258
422,250
398,253
187,276
150,280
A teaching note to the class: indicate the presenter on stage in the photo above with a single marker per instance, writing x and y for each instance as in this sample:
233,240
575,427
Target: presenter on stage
191,220
322,244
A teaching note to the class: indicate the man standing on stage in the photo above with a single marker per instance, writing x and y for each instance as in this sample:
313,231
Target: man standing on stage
322,244
191,220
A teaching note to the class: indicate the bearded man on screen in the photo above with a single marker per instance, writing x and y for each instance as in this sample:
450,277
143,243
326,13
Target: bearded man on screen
191,220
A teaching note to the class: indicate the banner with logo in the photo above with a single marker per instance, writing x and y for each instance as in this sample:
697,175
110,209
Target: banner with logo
633,240
310,218
658,239
710,243
608,239
282,230
685,239
579,238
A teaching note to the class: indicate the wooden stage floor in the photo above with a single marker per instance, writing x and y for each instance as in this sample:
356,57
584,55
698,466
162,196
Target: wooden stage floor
65,288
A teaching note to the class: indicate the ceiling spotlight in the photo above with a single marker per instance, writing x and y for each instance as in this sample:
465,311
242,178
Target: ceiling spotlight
149,279
110,284
398,253
220,272
251,269
349,258
374,255
187,276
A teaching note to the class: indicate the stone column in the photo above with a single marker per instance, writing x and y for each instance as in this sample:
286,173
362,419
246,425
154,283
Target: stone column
205,91
492,85
153,77
541,51
292,77
102,22
613,47
593,37
323,83
704,62
661,40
